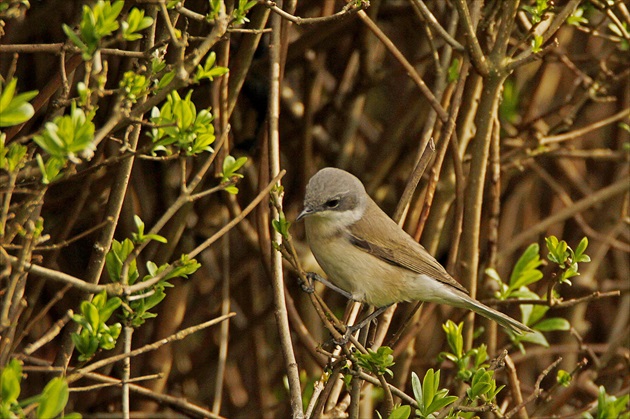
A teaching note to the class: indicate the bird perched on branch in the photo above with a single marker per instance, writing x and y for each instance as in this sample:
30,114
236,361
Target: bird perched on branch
369,258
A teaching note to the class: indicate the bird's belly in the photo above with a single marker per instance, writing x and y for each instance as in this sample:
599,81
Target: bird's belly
366,277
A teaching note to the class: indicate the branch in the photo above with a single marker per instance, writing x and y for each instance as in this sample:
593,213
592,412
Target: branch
562,304
585,130
617,188
348,10
433,22
537,390
147,348
474,49
411,71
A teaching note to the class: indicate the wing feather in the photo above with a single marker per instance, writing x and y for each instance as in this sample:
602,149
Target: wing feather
379,240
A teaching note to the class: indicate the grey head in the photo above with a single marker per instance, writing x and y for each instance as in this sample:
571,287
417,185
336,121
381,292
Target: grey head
334,191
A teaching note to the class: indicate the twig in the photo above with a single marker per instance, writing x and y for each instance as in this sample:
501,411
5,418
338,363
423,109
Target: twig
537,390
555,304
433,22
50,335
105,385
147,348
411,71
478,58
413,180
604,194
276,63
585,130
348,10
515,387
317,390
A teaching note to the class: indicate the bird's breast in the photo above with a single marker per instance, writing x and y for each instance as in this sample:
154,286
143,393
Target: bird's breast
366,277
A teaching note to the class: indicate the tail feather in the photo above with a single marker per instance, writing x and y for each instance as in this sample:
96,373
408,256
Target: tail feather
492,314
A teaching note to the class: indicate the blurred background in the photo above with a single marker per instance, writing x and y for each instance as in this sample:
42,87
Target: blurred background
560,138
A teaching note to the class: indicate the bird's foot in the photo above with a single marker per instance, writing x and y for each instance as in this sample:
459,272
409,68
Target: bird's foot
307,286
345,338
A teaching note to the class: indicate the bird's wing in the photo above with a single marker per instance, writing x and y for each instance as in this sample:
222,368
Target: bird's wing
379,239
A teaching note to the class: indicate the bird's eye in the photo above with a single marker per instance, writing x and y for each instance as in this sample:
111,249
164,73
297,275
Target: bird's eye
333,203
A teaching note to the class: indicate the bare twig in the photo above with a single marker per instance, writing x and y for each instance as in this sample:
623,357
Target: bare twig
147,348
583,204
537,390
348,10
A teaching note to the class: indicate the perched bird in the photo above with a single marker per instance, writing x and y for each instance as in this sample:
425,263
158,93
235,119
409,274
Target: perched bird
367,255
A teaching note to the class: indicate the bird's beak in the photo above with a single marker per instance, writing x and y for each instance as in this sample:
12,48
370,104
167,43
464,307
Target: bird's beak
305,212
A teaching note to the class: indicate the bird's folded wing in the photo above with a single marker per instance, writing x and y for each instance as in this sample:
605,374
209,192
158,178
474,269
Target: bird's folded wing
409,254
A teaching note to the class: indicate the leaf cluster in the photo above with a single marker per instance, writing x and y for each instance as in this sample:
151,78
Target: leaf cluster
180,128
50,402
95,334
378,362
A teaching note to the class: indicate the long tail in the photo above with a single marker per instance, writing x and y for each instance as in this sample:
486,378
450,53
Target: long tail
492,314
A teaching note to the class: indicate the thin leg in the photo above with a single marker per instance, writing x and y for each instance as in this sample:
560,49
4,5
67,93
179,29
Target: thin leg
351,329
313,276
368,319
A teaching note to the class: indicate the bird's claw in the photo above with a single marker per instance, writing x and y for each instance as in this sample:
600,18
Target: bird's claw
345,338
307,286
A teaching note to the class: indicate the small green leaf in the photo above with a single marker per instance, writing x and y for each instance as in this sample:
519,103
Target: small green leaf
552,324
91,314
563,378
10,382
15,110
417,390
53,399
401,412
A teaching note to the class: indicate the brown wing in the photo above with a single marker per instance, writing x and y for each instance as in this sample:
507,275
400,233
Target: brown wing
379,239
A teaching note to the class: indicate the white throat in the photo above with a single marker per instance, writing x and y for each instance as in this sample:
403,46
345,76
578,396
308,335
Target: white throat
330,223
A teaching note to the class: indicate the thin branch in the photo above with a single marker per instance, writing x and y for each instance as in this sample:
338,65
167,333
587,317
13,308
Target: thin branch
602,195
348,10
147,348
585,130
537,390
411,71
118,289
433,22
478,58
50,335
555,304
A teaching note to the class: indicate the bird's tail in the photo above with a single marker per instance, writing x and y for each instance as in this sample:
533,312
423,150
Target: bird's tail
504,320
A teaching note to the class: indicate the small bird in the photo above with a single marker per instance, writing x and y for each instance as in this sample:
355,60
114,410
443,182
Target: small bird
367,255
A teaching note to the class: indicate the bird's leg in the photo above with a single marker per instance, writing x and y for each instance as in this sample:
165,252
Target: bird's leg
351,329
307,286
368,319
313,276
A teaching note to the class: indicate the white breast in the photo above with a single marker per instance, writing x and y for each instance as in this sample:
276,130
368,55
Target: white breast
366,277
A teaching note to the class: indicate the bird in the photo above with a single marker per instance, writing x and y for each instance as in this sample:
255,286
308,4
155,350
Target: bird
370,258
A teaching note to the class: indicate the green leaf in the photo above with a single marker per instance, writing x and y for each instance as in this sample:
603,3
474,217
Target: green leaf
10,382
429,388
53,398
7,94
109,308
15,110
552,324
100,299
136,21
453,71
68,135
417,390
401,412
91,314
563,378
536,337
454,337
